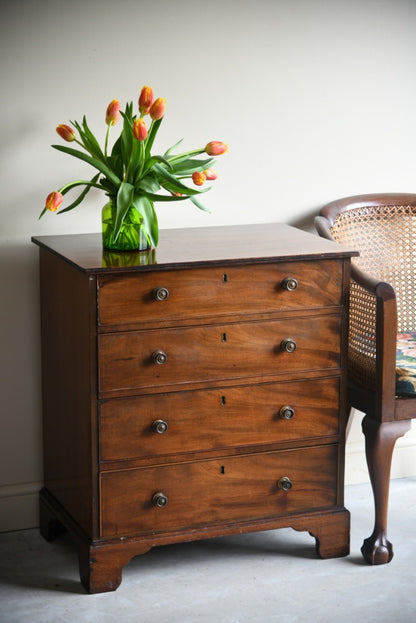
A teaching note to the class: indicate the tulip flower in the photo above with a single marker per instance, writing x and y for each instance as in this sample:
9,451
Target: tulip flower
158,108
198,178
66,132
139,129
216,148
113,113
145,100
210,174
53,201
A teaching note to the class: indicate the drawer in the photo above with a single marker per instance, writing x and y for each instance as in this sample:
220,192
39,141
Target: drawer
191,421
128,361
210,492
204,292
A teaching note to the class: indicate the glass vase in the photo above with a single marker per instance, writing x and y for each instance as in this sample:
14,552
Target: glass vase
131,237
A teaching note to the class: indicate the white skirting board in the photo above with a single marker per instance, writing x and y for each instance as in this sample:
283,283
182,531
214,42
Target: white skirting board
404,456
19,506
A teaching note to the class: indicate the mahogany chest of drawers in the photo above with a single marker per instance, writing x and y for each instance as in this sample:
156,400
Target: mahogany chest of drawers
192,391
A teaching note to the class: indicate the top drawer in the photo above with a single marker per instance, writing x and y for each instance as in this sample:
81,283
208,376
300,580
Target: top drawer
149,298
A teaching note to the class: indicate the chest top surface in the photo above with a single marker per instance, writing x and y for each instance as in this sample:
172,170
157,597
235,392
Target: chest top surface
261,243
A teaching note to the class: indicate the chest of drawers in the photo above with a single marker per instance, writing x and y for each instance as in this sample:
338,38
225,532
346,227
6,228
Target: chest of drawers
192,391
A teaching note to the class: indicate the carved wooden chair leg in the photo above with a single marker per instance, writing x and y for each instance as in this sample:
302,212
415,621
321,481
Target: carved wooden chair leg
380,439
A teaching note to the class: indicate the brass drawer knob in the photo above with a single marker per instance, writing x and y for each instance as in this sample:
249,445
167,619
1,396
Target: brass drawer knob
286,412
159,357
290,284
160,426
159,500
288,345
160,294
285,484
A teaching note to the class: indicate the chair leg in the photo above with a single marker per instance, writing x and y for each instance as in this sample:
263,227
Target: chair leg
380,439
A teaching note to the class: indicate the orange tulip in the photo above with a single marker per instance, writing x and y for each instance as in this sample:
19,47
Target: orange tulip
145,100
158,108
66,132
216,148
198,178
139,129
53,201
113,113
210,174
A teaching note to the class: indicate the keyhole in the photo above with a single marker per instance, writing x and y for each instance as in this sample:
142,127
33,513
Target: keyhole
222,469
224,337
223,400
225,277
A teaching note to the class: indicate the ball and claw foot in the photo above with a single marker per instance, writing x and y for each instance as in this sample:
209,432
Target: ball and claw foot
377,550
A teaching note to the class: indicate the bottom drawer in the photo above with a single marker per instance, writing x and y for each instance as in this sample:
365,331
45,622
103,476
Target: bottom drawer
236,488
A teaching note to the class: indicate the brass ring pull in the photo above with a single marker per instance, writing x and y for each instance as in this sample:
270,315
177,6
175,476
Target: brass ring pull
288,345
290,284
285,484
159,357
159,500
160,294
159,426
286,412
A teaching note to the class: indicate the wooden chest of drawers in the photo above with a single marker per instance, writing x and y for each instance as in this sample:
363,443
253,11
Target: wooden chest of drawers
192,391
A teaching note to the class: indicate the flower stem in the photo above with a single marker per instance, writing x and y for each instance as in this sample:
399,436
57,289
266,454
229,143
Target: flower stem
106,140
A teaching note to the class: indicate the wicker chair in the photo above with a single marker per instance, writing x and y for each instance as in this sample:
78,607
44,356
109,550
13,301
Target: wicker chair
382,306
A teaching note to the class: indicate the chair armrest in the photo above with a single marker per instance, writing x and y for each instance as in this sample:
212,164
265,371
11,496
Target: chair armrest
382,298
373,315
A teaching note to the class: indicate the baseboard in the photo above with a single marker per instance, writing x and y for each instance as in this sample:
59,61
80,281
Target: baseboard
19,506
403,464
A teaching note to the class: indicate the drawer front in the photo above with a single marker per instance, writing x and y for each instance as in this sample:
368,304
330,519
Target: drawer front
208,492
205,292
191,421
128,361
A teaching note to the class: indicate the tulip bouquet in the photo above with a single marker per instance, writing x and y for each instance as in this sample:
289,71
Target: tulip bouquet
131,177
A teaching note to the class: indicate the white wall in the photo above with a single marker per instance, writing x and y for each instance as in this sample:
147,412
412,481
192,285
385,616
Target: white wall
315,98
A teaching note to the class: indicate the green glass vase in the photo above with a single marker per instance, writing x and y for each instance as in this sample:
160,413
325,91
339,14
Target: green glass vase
131,236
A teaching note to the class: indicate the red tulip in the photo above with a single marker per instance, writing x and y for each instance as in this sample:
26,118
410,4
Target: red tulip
210,174
145,100
158,108
66,132
198,178
216,148
113,113
53,201
139,129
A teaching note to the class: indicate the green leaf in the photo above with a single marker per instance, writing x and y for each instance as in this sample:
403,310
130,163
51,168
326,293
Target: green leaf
150,224
94,148
116,150
172,184
116,164
65,189
124,200
188,166
92,161
127,139
153,160
199,205
170,150
151,136
81,197
154,197
149,183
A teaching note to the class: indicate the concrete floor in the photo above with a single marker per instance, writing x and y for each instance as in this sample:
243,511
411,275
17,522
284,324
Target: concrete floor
257,578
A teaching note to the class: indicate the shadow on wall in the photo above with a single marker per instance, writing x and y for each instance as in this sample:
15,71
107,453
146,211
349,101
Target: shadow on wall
306,221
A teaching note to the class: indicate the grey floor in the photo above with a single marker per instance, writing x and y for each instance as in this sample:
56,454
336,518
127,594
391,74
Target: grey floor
265,577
